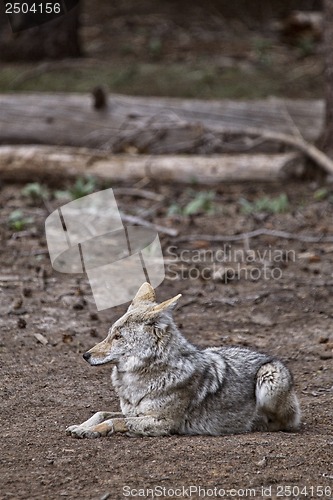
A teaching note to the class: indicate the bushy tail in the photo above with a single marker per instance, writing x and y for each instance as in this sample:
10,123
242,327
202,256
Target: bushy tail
277,402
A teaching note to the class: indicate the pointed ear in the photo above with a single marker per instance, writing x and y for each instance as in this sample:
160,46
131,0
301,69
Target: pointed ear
145,293
167,304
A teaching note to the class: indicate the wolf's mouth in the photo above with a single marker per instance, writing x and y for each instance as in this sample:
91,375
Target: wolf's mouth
93,361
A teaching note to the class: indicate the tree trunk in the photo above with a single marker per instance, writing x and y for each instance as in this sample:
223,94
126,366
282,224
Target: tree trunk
56,39
326,140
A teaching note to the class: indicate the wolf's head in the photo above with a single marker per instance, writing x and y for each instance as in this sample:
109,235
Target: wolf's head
139,335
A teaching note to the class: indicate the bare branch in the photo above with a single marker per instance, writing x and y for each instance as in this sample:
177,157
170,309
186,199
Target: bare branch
133,219
254,234
139,193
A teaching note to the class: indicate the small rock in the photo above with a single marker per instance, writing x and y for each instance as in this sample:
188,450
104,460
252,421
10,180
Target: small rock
79,304
43,340
21,323
261,319
27,292
67,338
326,355
93,332
74,302
262,463
17,304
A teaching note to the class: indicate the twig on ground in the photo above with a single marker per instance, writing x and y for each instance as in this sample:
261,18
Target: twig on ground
139,193
189,302
258,232
47,205
42,278
37,251
148,212
133,219
237,300
23,234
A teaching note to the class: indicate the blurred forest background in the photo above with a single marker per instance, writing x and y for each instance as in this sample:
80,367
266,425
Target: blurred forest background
215,49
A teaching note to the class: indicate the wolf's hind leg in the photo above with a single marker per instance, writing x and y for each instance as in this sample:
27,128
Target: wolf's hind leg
86,428
277,403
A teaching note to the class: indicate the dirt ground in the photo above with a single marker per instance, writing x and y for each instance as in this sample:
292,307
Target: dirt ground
46,385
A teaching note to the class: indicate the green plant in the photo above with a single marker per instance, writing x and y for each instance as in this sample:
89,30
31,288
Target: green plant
35,191
62,194
155,47
265,204
17,221
82,187
306,46
174,209
321,194
263,50
201,203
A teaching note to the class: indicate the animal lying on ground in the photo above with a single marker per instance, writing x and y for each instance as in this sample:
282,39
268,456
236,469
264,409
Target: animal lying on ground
166,385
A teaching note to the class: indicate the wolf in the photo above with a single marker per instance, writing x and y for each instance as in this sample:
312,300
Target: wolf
166,385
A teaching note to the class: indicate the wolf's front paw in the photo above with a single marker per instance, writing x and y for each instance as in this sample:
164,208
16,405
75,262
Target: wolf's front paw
71,428
77,431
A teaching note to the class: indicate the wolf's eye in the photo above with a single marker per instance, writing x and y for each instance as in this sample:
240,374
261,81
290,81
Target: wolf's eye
116,335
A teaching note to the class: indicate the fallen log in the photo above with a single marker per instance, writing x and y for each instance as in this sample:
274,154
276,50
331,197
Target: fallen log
153,125
56,164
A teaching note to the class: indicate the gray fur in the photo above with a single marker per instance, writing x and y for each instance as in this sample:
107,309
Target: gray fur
166,385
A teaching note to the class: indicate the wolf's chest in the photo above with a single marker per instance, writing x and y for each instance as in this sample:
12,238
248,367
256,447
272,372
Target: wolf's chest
132,394
139,397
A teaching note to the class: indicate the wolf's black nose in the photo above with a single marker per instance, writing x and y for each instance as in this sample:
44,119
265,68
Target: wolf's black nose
86,355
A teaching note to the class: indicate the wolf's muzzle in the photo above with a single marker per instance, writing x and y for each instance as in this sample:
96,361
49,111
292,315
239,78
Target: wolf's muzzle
87,356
